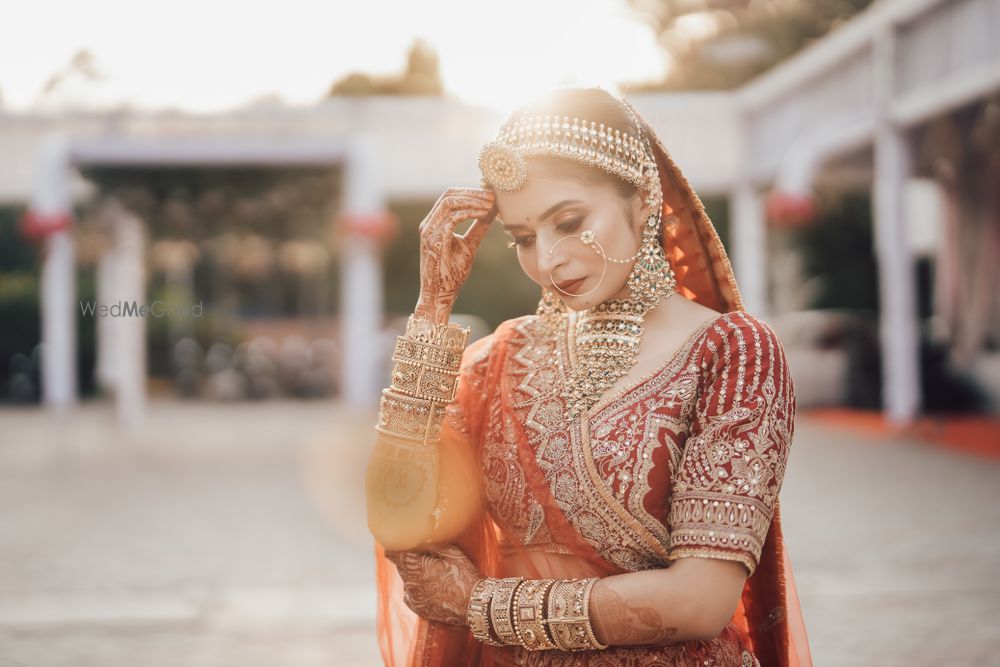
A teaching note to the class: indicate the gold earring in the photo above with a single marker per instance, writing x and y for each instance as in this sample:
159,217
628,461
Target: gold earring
652,278
551,312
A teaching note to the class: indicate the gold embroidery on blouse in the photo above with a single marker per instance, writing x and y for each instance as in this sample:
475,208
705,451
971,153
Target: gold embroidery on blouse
732,469
667,385
505,485
619,527
725,479
635,546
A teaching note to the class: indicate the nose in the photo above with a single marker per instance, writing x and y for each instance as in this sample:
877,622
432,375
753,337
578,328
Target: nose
550,258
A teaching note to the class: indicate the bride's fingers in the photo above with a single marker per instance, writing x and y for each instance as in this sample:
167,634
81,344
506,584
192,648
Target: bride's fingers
479,192
442,212
462,201
474,235
484,195
444,225
439,233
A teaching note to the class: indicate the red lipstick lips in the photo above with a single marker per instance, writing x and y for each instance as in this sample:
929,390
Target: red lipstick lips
567,285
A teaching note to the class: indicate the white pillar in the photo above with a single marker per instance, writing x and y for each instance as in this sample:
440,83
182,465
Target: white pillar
897,282
898,326
51,199
129,329
59,373
105,366
749,234
361,283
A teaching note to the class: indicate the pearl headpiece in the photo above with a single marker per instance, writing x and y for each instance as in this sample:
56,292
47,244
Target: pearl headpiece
618,153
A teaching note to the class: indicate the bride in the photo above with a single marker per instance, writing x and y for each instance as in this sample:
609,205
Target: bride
595,483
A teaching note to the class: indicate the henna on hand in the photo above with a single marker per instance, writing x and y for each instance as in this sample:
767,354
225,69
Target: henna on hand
445,257
437,583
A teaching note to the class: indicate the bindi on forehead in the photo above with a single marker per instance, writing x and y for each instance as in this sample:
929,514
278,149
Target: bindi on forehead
550,211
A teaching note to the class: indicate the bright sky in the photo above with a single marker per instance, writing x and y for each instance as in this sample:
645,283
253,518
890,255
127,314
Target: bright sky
209,55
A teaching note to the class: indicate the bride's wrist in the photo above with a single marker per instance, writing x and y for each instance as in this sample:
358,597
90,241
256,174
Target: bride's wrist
437,312
537,614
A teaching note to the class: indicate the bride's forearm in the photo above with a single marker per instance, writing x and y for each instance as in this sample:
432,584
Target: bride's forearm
401,488
419,494
437,310
420,486
694,599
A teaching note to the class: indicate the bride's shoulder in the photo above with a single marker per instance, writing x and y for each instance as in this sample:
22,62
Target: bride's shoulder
516,326
738,339
481,349
738,324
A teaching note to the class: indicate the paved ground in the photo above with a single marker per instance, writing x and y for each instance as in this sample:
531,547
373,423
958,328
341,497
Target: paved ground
896,550
221,535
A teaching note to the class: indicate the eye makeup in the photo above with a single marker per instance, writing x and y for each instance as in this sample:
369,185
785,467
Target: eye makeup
568,227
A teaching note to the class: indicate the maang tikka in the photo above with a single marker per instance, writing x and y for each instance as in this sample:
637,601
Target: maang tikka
607,336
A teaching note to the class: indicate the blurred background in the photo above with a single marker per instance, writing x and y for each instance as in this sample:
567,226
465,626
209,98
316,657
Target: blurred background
208,243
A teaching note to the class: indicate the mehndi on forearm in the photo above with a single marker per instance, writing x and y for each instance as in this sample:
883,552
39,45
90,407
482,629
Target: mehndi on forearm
628,622
407,473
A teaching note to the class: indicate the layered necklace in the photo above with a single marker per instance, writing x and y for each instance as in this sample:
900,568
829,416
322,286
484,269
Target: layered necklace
607,336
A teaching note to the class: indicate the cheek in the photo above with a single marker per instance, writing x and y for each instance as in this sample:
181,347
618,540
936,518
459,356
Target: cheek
616,236
526,258
619,241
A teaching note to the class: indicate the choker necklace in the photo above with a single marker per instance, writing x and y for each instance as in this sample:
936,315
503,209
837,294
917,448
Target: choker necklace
606,343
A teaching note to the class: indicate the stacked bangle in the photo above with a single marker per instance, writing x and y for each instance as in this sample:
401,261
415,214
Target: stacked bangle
478,613
529,615
568,614
409,418
427,360
500,604
536,614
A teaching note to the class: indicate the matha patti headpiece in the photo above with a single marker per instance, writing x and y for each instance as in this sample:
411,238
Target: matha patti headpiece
502,161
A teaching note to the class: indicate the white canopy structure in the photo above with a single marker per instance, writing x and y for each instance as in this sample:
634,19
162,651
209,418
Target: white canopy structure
121,273
857,92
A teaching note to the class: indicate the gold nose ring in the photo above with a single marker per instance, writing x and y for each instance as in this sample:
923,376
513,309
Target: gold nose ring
589,238
590,241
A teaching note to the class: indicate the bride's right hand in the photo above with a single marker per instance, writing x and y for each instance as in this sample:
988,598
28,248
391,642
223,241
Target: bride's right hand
446,257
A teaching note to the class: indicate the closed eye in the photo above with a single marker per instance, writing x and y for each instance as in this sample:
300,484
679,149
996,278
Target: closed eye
526,241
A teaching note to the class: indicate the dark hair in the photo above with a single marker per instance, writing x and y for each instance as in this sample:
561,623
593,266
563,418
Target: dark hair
591,104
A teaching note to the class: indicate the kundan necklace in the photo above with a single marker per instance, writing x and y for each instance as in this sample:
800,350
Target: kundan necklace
607,336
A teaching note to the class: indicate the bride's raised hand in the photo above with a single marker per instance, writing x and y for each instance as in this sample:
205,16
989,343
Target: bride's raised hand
446,257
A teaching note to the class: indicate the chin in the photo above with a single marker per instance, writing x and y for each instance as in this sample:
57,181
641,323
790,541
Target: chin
578,303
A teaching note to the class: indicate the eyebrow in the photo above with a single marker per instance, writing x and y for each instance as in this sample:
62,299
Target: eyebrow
549,211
